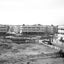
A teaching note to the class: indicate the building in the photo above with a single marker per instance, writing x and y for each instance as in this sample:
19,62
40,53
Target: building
39,29
4,29
61,31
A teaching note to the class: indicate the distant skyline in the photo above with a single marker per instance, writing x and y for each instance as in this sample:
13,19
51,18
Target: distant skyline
45,12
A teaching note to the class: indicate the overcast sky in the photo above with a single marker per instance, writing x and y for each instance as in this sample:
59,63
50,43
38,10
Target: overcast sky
32,12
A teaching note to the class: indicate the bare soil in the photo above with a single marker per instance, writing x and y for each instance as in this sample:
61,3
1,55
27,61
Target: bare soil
28,54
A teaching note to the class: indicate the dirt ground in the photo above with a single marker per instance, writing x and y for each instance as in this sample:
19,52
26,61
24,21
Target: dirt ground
28,54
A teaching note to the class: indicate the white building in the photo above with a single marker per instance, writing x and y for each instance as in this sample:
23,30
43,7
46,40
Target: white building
61,31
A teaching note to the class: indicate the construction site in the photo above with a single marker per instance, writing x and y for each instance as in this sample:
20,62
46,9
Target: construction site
31,44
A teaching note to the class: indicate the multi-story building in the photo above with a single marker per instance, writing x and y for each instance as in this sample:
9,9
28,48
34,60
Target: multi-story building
39,29
60,31
28,29
4,29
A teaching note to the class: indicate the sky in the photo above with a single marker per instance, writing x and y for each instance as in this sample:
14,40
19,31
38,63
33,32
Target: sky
45,12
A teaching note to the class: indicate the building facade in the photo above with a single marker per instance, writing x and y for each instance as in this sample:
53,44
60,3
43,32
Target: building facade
61,31
40,29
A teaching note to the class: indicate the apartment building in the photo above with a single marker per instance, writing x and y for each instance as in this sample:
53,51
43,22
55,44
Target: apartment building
4,29
39,29
61,31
